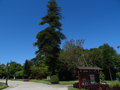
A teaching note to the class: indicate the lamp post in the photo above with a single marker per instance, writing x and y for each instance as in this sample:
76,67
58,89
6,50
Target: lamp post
7,73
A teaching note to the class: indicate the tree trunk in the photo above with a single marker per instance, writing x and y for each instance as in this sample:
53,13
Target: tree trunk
110,74
14,77
6,81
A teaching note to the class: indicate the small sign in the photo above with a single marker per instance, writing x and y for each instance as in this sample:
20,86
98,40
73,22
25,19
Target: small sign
92,78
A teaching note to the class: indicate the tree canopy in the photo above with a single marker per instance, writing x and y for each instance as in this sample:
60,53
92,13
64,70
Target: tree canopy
49,39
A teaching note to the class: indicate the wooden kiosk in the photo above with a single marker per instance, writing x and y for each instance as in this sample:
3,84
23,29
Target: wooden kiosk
88,75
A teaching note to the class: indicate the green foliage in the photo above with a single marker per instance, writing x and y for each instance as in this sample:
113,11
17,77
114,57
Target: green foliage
2,86
38,66
102,77
39,75
2,71
107,55
54,79
19,74
107,60
113,83
93,57
117,63
49,39
26,69
67,82
14,67
70,57
118,74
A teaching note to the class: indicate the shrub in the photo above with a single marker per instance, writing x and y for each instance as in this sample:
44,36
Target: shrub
19,74
118,75
102,77
54,79
93,86
40,75
113,83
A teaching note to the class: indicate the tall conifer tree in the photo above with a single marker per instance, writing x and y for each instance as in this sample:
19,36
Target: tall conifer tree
49,39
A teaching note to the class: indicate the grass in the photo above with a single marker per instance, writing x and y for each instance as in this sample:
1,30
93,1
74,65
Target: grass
70,88
48,82
17,79
113,83
41,81
2,86
67,82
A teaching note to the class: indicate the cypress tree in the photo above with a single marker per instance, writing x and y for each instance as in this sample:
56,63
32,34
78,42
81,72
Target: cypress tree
26,69
49,39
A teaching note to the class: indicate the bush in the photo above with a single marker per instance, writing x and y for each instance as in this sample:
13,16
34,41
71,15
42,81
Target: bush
113,83
102,77
93,86
118,74
2,86
54,79
40,75
19,74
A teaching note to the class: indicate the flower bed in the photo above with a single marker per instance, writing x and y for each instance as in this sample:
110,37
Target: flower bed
97,87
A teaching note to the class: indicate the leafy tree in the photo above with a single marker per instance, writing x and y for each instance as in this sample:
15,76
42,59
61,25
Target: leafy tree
70,44
13,68
102,77
2,71
93,57
72,53
19,74
117,63
107,59
118,74
49,39
26,68
38,66
70,57
104,57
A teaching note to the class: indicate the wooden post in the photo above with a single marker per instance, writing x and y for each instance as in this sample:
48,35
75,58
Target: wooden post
100,88
80,81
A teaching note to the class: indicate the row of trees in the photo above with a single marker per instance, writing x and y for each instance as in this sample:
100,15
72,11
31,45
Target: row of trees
12,69
72,55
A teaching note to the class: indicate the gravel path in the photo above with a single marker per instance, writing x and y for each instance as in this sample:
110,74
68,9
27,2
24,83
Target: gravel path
19,85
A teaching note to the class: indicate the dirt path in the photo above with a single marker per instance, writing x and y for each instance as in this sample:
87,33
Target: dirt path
19,85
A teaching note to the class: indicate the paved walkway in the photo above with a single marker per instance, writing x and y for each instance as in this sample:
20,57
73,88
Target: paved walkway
19,85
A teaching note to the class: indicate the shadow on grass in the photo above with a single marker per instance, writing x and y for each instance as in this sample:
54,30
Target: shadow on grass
3,86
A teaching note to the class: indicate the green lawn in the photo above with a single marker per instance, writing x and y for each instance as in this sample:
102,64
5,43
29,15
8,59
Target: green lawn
2,86
40,81
113,83
48,82
70,88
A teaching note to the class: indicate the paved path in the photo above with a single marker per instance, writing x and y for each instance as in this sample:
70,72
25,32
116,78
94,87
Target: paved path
19,85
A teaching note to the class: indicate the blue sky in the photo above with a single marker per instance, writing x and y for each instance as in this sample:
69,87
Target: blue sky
96,21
